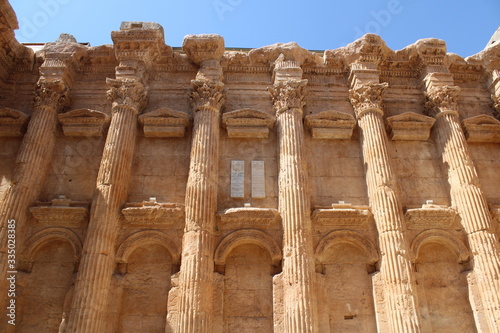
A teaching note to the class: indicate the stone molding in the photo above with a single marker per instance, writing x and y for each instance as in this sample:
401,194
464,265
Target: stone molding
430,216
441,237
154,214
128,92
482,128
367,96
249,216
288,94
53,93
410,126
248,123
165,123
12,122
207,94
61,212
343,215
331,125
84,122
441,99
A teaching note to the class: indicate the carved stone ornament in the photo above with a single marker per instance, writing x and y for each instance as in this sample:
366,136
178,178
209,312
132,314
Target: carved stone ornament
496,106
207,94
164,123
84,122
331,125
247,123
367,96
249,217
441,99
52,93
154,214
482,128
342,215
61,212
288,94
430,216
130,92
12,122
410,126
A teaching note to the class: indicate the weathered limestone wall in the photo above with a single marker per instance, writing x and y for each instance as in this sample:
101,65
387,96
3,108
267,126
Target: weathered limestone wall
368,201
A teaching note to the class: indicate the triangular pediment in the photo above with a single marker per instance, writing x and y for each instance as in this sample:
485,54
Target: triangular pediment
331,124
84,122
481,120
248,117
410,126
83,113
12,122
411,117
482,128
164,113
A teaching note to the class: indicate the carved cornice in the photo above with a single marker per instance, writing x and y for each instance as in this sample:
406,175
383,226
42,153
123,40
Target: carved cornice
288,95
129,92
12,122
233,218
367,96
441,99
430,216
331,125
207,94
247,123
410,126
482,128
342,215
61,212
164,123
53,94
154,214
83,122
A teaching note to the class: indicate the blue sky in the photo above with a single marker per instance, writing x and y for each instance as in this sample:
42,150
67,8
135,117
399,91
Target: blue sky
465,26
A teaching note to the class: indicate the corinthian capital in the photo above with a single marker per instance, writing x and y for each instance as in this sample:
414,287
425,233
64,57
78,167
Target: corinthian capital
52,93
288,94
367,96
130,92
207,94
440,99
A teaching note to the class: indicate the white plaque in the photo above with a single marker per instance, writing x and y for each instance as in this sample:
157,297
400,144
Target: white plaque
258,182
237,179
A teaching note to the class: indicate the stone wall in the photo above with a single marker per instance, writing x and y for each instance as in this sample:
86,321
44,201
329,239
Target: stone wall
377,210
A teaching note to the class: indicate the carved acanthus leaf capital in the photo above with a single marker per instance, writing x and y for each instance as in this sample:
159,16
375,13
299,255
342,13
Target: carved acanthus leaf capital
288,94
441,98
130,92
52,93
367,96
496,106
207,94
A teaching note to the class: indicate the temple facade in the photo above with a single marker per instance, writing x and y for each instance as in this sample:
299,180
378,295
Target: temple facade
146,188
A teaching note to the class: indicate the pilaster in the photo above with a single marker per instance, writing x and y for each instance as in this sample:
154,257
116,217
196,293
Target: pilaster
196,280
465,190
128,94
298,277
396,275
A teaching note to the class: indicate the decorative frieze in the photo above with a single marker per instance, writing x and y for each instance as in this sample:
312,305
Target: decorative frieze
331,125
61,212
12,122
342,215
430,216
409,126
153,214
482,128
84,122
249,217
248,123
164,123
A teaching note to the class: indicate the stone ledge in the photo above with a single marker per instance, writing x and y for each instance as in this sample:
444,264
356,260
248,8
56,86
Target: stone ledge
342,215
84,122
248,123
482,128
410,126
430,216
12,122
331,125
249,217
154,214
61,212
164,123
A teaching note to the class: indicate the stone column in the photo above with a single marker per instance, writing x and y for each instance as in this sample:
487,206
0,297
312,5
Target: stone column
32,163
298,275
89,304
196,279
466,194
395,265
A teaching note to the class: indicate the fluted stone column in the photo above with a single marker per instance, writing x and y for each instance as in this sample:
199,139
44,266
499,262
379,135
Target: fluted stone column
32,163
467,196
196,279
395,265
294,205
97,264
